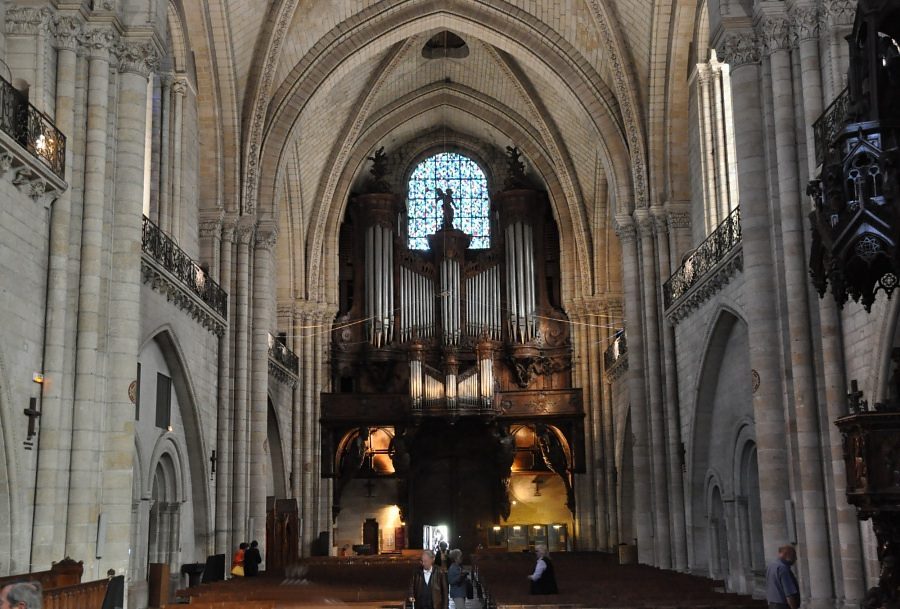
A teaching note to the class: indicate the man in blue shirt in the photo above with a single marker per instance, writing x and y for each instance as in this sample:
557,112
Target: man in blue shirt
782,591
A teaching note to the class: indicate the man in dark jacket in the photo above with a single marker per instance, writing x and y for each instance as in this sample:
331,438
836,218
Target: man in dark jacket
429,585
543,580
252,558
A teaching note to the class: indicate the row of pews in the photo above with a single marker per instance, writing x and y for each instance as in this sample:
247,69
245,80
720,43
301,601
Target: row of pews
376,582
62,587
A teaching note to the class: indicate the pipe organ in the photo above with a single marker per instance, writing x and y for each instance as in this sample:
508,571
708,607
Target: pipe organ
449,327
447,347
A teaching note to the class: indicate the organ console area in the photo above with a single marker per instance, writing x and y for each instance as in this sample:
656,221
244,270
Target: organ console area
451,332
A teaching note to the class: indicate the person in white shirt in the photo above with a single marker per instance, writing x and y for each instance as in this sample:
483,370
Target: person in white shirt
543,580
428,588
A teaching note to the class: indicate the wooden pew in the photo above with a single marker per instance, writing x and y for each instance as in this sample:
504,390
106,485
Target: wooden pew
66,572
88,595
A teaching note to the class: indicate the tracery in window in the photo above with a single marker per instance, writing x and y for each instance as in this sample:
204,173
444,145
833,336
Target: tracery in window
448,170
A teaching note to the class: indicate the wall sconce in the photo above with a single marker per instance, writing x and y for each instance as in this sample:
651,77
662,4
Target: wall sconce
37,377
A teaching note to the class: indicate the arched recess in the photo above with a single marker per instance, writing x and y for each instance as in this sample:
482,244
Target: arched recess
471,103
165,525
723,404
749,510
195,453
277,483
717,531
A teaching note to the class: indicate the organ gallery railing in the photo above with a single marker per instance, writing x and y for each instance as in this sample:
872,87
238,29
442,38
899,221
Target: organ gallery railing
31,129
708,254
280,352
159,246
830,123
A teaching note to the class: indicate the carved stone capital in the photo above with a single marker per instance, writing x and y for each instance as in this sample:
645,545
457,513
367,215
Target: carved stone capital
644,222
774,32
68,31
98,43
659,217
625,228
179,86
266,239
837,14
804,23
244,230
738,49
137,58
28,20
210,228
103,5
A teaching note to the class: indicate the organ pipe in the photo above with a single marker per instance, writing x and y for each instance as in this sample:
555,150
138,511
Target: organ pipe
379,281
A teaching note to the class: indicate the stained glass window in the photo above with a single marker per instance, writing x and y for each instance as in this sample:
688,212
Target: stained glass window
470,199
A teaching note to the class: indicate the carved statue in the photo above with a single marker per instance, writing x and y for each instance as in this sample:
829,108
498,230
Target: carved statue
515,169
446,199
555,459
377,183
351,462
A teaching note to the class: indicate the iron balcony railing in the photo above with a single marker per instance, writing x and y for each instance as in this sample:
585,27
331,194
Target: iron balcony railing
826,128
159,246
32,129
708,254
280,352
616,350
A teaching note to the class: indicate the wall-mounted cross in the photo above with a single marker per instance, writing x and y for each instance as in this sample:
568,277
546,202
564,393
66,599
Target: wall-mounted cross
33,414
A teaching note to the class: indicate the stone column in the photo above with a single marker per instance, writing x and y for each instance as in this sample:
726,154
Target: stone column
309,430
179,88
673,420
244,235
816,553
136,61
586,507
662,529
84,491
224,422
297,488
598,461
636,395
805,23
322,509
739,49
53,466
210,232
262,323
165,155
609,436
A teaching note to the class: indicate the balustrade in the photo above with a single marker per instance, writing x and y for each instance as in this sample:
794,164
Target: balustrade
832,121
31,129
161,248
702,260
282,355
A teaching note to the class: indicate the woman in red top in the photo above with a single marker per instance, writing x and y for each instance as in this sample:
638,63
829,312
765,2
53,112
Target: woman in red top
237,562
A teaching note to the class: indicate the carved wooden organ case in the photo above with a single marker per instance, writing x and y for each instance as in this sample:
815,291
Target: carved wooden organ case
450,333
450,330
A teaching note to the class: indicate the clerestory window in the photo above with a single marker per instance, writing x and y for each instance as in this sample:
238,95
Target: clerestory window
448,171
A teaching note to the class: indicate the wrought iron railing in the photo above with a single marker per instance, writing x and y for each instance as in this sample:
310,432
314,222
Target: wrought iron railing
32,129
280,352
707,255
826,128
173,259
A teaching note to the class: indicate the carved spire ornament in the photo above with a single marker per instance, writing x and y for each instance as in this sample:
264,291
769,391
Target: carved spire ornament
855,218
